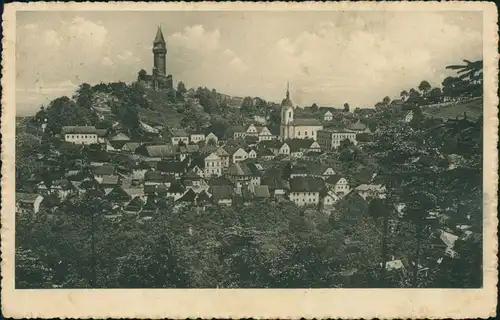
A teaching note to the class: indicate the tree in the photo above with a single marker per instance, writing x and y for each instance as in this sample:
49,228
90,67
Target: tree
424,87
386,101
435,95
141,75
404,95
314,107
346,107
471,71
247,106
181,88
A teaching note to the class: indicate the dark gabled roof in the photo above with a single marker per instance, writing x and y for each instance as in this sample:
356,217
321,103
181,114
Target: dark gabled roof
118,194
306,184
265,152
178,133
202,196
274,182
157,151
305,122
222,192
104,170
159,37
135,202
333,179
170,166
262,192
275,144
190,148
297,145
358,126
132,146
155,176
110,179
119,137
101,132
220,181
176,187
191,175
78,129
189,196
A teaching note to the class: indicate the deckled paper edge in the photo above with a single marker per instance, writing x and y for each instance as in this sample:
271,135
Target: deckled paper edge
256,303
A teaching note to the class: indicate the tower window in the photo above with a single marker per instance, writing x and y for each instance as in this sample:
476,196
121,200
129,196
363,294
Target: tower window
290,114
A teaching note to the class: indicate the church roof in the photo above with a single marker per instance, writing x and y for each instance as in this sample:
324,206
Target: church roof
159,36
306,122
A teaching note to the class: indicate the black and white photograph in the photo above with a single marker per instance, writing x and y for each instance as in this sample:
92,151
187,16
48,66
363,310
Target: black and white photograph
250,149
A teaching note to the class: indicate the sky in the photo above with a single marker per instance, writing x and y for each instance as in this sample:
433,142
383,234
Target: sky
329,57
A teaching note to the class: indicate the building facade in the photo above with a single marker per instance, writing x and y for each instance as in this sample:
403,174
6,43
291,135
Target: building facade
330,139
80,134
292,128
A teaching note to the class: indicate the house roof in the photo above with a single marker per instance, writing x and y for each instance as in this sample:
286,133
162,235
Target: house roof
154,176
119,137
104,170
358,126
305,122
328,113
163,150
221,152
275,144
220,181
306,184
222,192
78,129
176,187
26,197
110,179
261,191
135,202
191,175
190,148
265,152
370,187
276,183
132,146
189,196
134,192
297,145
178,133
238,170
333,179
118,194
101,132
170,166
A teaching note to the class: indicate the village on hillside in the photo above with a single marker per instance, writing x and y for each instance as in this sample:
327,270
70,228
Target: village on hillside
109,153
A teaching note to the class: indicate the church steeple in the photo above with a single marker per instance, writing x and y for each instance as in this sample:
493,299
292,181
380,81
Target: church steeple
159,37
288,90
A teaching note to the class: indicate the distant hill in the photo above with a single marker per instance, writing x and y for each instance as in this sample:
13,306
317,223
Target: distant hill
473,108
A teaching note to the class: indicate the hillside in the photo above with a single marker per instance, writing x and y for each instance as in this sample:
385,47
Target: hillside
473,109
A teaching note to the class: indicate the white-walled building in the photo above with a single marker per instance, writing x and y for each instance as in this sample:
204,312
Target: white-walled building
330,139
292,128
328,116
306,190
213,165
80,134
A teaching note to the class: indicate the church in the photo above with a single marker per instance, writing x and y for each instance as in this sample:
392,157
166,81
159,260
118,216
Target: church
300,128
159,78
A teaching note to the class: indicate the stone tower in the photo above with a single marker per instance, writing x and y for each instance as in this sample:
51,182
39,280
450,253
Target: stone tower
286,116
159,55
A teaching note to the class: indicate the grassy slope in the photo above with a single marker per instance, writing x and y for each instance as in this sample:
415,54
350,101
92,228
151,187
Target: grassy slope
473,108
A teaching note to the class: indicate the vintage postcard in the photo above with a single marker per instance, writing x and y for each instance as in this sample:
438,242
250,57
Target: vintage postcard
235,160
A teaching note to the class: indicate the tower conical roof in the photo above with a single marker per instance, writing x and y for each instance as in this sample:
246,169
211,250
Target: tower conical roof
287,101
159,36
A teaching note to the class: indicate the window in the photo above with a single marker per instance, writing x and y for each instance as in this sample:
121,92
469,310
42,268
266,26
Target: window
306,133
290,114
298,133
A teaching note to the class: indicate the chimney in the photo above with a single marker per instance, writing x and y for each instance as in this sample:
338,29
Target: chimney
465,115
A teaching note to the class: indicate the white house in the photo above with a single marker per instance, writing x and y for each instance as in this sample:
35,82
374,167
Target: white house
330,139
252,154
371,190
213,137
306,190
80,134
196,137
284,149
28,202
328,116
329,199
240,155
213,165
179,135
338,184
